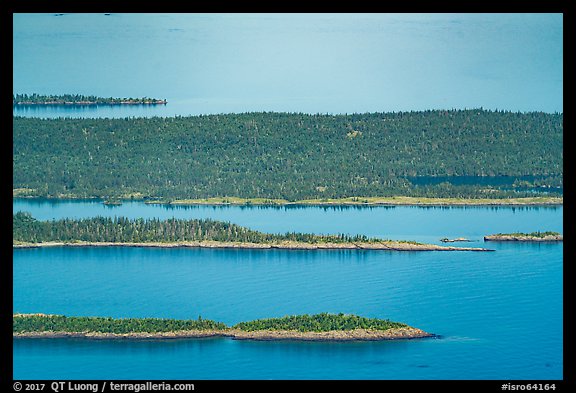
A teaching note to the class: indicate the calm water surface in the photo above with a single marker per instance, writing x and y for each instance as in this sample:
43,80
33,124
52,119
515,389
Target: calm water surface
426,224
489,308
499,314
311,63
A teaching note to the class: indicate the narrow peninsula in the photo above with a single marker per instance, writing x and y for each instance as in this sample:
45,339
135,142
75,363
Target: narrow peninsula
547,236
121,231
80,100
351,201
318,327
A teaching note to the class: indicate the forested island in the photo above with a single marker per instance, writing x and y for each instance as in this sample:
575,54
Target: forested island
207,233
547,236
318,327
470,156
79,99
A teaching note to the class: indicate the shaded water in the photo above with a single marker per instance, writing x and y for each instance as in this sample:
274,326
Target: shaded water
311,63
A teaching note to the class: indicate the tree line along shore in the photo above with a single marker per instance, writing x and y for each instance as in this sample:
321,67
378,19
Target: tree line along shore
79,99
317,327
121,231
353,201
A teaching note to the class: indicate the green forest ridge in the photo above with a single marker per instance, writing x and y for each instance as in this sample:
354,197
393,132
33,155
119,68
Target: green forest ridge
288,156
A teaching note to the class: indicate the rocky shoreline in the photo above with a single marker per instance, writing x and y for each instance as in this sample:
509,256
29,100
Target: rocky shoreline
132,336
367,201
334,335
236,334
390,246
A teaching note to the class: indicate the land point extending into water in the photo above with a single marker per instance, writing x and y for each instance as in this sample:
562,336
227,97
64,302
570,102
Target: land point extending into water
367,201
318,327
349,201
206,233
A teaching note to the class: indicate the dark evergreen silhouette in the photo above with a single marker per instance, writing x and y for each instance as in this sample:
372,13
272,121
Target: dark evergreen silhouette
78,99
123,230
60,323
319,323
303,323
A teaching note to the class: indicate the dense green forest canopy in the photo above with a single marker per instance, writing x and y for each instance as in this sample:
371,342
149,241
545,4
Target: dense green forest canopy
123,230
319,323
292,156
60,323
78,99
303,323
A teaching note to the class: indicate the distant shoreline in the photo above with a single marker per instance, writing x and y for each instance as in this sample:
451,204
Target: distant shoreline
89,103
80,100
371,201
524,238
385,246
351,201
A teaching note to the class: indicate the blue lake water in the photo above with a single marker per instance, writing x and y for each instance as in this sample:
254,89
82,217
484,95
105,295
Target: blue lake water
312,63
499,314
426,224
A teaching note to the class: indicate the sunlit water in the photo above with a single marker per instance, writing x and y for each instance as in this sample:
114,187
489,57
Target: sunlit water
499,314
